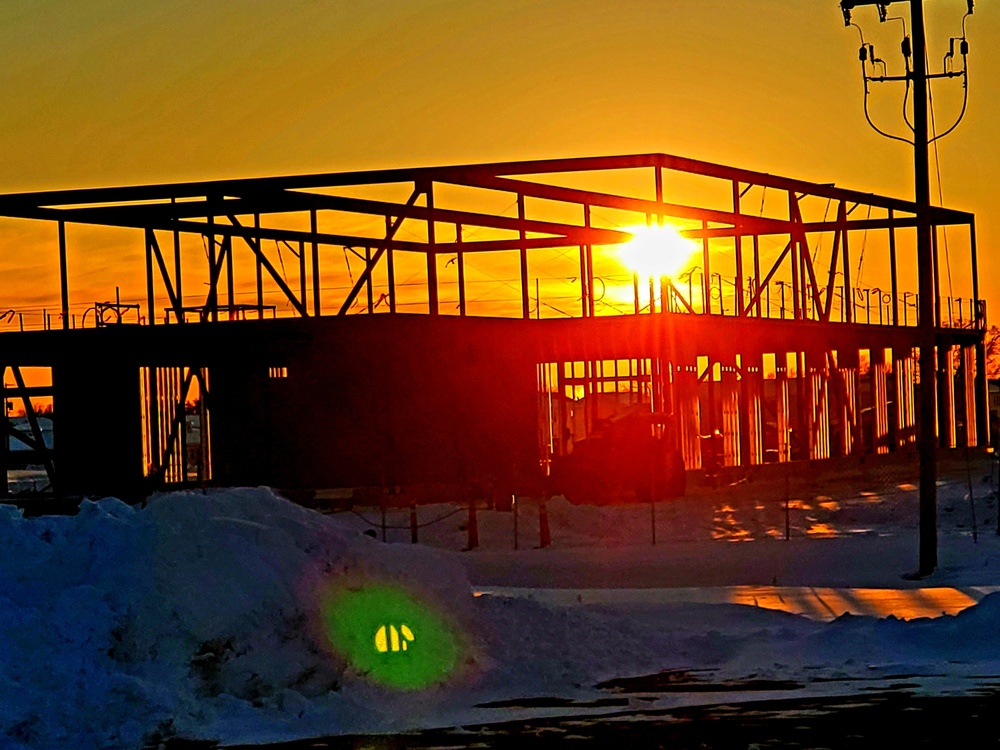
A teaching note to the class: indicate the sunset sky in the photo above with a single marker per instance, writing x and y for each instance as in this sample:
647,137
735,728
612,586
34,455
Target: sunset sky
108,92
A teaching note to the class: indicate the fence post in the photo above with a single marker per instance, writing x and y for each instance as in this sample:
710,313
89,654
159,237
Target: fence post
544,536
788,526
473,526
652,518
513,505
413,523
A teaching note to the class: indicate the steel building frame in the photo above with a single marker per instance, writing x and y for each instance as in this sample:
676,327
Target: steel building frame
235,218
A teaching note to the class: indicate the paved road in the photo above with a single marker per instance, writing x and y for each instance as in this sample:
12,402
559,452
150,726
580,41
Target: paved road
818,603
875,721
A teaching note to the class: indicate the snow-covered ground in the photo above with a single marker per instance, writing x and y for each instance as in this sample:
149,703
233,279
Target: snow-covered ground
209,616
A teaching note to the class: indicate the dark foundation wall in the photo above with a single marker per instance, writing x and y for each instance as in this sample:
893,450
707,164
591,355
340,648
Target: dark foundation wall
97,430
405,402
383,400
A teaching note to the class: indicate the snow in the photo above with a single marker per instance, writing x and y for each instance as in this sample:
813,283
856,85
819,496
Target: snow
197,616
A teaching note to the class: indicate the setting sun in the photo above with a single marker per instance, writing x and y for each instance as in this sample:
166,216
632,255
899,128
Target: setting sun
656,250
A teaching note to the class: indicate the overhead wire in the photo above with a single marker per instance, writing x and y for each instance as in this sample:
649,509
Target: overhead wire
864,77
937,168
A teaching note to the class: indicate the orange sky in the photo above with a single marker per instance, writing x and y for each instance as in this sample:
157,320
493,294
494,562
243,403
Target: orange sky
103,92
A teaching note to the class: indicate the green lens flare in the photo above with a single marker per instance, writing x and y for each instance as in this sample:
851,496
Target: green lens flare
385,633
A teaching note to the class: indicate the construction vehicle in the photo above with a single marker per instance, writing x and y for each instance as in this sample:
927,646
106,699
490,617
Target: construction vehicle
631,459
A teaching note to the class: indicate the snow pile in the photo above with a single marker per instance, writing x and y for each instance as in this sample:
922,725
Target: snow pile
195,616
199,616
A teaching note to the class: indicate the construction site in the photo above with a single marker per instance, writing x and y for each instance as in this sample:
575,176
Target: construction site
462,332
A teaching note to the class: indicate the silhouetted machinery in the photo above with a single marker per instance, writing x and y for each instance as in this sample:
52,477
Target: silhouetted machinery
632,459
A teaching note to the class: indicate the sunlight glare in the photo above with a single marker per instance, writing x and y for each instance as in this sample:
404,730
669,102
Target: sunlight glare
656,250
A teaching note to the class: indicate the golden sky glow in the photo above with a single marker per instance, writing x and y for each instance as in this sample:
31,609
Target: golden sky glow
106,92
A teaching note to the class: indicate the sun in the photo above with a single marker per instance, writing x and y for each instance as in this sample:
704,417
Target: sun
656,250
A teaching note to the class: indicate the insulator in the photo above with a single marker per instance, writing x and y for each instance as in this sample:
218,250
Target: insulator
971,6
862,53
871,54
964,48
907,50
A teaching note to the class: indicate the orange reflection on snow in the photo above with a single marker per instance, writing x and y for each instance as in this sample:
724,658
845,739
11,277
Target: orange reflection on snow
726,527
821,531
828,603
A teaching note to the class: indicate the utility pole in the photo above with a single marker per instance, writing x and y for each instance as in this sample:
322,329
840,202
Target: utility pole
926,282
926,288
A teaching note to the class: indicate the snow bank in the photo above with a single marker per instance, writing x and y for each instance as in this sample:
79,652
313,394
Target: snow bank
196,616
201,615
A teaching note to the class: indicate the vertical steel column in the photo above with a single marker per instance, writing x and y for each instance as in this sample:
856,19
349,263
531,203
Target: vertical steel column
847,371
369,288
847,298
818,416
314,229
161,422
795,256
937,277
978,317
170,417
711,406
969,378
303,292
259,267
756,273
880,401
783,418
390,264
589,259
706,279
946,396
746,412
753,411
523,258
150,293
732,424
906,412
892,270
664,296
64,276
153,425
688,415
433,306
738,247
227,249
204,422
801,390
982,397
182,426
460,262
178,286
213,280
